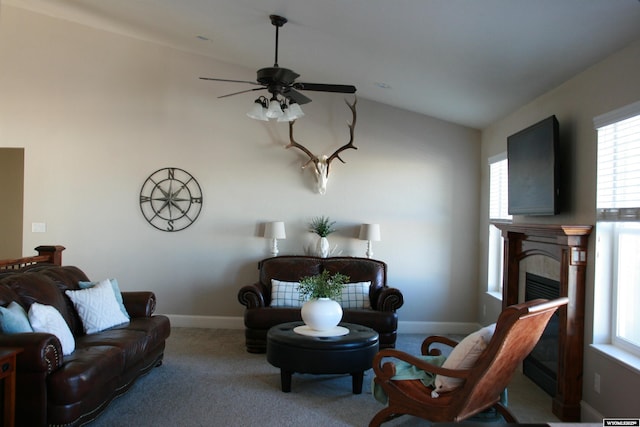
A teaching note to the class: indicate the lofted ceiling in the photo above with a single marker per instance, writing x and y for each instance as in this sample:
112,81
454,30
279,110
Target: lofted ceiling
466,61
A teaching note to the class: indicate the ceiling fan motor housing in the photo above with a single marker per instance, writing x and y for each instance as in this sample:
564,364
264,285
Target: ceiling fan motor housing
270,75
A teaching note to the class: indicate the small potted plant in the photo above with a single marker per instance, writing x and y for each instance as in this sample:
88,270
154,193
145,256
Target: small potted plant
322,226
322,312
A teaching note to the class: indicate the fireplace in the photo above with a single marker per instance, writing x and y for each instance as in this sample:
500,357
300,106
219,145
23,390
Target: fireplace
541,366
566,245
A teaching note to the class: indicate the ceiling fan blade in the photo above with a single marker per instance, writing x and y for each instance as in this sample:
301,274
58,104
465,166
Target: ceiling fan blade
231,81
320,87
296,96
242,91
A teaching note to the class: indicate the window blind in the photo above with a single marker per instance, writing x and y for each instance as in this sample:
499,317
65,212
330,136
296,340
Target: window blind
618,187
498,191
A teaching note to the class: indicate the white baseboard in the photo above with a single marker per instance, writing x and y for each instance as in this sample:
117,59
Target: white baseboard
435,328
206,322
404,327
588,414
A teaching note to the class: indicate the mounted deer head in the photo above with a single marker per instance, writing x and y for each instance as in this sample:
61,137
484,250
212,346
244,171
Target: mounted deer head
321,164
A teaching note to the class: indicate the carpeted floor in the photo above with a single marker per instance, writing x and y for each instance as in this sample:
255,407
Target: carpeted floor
208,379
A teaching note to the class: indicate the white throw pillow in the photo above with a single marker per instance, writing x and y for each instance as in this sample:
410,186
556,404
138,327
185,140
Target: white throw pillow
45,318
116,291
97,307
285,294
356,295
464,356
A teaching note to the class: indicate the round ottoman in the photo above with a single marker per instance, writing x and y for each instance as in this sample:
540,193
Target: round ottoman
347,354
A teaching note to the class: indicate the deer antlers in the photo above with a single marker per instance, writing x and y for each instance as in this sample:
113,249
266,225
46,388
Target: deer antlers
322,163
336,154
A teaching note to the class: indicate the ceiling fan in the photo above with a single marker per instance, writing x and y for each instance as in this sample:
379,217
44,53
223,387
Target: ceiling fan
280,82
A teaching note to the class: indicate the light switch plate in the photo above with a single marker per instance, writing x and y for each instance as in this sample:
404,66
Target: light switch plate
38,227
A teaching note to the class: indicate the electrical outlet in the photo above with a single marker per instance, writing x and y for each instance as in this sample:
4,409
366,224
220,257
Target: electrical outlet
596,382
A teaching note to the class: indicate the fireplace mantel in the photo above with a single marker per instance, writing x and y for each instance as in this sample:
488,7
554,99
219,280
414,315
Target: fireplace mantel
567,244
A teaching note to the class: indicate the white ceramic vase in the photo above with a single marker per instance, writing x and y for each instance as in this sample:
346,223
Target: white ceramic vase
322,247
321,314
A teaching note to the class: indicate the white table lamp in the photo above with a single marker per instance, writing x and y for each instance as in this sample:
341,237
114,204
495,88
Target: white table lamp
370,233
274,230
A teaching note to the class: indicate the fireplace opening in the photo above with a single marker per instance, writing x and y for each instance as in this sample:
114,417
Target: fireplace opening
541,366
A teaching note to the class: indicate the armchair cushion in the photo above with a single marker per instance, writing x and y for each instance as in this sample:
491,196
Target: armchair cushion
45,318
464,356
13,319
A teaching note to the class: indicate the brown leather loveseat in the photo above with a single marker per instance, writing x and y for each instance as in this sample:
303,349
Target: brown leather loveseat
260,315
70,390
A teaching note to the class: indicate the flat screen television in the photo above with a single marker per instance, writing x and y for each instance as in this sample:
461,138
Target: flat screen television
532,156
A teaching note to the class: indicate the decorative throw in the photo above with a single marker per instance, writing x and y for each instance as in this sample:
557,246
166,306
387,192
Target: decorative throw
407,371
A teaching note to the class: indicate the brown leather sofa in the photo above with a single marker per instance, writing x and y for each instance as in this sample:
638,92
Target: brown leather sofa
52,389
259,315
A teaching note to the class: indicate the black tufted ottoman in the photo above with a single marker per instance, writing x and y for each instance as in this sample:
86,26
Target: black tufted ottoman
346,354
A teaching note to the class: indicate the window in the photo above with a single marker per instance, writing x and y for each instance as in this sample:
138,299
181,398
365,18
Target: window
618,224
498,212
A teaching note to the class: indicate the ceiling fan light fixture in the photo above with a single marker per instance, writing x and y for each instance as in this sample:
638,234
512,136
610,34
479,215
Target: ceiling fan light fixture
258,111
286,116
281,84
274,111
295,112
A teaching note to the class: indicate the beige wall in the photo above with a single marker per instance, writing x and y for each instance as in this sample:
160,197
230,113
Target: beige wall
98,112
611,84
11,174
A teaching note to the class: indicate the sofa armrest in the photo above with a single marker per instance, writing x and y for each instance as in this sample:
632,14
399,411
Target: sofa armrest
41,352
388,299
139,303
252,296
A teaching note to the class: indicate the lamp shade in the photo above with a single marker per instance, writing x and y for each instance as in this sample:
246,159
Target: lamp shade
286,116
275,230
257,112
274,110
370,232
295,112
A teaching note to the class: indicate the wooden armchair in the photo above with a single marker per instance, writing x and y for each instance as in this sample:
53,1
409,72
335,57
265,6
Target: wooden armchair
517,331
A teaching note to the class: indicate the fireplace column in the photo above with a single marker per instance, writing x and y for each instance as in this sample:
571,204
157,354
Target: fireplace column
568,245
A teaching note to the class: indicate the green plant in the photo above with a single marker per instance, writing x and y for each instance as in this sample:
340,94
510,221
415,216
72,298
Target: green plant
323,285
322,226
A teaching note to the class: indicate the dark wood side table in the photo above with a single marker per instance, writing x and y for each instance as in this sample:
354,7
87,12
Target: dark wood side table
346,354
8,375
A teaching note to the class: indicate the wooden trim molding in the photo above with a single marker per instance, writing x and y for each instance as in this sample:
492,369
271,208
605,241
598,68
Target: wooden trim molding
46,254
567,244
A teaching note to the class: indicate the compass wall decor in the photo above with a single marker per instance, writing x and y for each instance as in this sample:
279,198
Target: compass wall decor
171,199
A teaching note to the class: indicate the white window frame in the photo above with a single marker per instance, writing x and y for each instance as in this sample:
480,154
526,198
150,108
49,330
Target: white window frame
498,212
616,216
